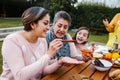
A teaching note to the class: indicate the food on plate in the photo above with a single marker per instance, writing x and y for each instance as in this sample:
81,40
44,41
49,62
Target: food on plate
112,55
108,55
97,55
86,51
115,75
115,63
115,55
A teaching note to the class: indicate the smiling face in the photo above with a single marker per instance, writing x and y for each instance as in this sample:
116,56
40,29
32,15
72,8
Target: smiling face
61,28
82,36
42,26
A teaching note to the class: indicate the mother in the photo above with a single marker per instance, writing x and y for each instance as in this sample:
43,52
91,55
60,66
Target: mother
25,54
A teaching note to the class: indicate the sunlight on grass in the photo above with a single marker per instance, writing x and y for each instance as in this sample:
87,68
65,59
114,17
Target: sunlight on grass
8,22
95,38
98,38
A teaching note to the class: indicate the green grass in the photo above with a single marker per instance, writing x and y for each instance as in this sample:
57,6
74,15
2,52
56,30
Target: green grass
10,22
4,23
102,38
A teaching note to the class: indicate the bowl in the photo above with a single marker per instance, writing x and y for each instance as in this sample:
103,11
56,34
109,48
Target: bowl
107,65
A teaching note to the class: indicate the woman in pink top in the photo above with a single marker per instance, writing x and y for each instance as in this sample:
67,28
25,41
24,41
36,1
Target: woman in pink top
26,54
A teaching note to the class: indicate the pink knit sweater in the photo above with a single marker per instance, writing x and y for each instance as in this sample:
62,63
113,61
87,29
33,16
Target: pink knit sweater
23,60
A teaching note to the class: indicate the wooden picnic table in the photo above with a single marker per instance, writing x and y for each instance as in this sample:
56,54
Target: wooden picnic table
87,69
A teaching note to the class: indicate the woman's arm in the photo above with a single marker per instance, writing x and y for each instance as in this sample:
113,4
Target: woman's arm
12,54
56,63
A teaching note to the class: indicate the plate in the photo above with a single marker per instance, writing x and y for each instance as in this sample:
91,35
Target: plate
115,66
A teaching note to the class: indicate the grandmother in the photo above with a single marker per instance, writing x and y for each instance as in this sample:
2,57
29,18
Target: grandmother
61,24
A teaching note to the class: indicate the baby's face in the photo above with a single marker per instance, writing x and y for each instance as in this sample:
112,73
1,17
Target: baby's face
82,36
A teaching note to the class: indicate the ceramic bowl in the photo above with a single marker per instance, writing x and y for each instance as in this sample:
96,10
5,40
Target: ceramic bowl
107,65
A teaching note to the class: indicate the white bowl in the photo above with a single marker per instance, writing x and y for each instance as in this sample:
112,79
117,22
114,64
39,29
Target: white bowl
107,65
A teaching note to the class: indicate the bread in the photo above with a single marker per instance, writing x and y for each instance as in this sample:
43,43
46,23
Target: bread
115,75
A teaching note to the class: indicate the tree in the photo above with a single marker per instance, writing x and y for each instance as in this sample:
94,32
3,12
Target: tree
66,5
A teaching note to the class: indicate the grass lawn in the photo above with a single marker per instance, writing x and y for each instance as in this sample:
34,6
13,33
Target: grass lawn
4,23
10,22
95,38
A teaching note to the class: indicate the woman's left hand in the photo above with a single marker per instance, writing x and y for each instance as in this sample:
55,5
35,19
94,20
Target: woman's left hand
70,60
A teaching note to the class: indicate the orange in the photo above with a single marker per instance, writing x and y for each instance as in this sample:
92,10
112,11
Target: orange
108,55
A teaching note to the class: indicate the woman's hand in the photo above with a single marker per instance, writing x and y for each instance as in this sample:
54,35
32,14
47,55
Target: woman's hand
69,60
55,45
105,22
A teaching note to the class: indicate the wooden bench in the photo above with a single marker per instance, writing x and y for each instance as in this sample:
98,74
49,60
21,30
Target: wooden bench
97,30
3,15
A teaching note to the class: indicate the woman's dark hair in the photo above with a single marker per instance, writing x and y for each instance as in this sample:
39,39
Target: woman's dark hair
81,28
32,15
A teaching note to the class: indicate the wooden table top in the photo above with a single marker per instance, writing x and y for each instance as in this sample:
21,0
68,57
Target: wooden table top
87,69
